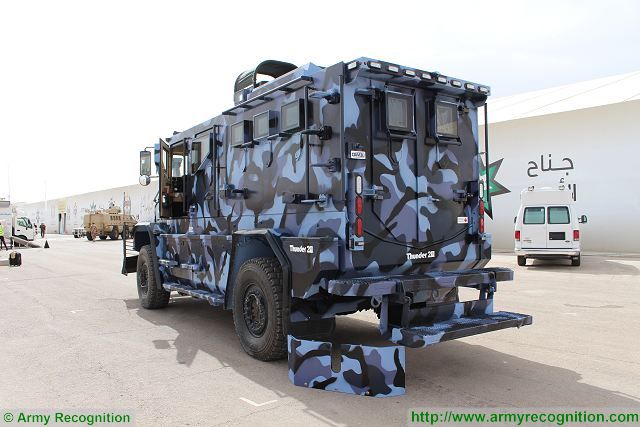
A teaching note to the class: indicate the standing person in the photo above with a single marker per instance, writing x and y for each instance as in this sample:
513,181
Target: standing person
2,242
43,228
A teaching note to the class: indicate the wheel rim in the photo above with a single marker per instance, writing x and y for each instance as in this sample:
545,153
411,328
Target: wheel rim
143,279
255,311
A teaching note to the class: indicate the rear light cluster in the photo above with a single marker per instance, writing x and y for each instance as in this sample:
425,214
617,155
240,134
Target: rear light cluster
481,227
576,235
359,206
517,235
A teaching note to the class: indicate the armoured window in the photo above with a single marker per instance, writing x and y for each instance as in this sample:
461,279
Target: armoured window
399,111
241,132
447,119
534,215
196,149
178,165
264,124
292,116
558,215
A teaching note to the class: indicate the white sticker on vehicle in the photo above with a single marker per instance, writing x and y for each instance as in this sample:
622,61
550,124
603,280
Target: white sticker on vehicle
301,249
463,220
420,255
358,154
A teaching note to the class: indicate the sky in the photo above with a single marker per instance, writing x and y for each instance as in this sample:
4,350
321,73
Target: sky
84,86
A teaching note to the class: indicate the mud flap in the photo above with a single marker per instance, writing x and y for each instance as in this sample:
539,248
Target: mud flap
363,370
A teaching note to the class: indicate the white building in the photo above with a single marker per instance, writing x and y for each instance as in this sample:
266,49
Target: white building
587,134
63,214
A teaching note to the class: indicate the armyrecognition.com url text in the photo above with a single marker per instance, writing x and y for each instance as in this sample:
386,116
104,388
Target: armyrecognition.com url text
71,417
523,416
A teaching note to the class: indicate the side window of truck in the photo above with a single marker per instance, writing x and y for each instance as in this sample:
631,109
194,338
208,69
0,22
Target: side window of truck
558,215
533,215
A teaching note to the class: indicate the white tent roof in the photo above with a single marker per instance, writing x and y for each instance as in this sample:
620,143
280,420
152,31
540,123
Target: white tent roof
592,93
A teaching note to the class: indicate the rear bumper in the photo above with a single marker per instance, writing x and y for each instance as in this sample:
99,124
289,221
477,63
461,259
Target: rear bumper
380,286
547,253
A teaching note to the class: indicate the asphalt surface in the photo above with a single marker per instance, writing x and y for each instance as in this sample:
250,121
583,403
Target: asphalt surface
73,335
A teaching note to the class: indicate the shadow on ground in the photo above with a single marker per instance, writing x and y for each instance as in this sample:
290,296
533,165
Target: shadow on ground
589,265
451,374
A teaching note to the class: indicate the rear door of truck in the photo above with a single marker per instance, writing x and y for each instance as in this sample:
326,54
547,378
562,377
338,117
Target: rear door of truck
410,212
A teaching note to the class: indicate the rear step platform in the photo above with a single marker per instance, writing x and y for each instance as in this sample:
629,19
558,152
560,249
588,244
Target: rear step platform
423,336
213,298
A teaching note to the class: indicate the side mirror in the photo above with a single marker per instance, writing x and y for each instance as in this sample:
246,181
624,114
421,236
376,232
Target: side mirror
515,219
582,219
145,163
144,180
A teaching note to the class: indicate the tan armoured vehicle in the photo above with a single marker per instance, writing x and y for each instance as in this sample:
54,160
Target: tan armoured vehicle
105,223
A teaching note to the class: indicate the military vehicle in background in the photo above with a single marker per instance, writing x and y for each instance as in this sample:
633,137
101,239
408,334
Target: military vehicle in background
322,192
105,223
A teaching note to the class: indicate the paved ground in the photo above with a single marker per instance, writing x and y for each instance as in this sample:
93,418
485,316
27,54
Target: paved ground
74,336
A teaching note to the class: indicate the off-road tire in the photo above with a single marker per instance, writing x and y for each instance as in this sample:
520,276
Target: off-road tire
258,313
113,235
318,329
575,261
522,261
103,237
151,293
89,236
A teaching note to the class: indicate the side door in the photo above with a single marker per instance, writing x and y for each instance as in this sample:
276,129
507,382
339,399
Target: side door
559,228
201,182
534,228
163,181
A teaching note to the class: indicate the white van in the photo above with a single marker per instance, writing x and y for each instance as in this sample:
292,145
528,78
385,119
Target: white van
547,226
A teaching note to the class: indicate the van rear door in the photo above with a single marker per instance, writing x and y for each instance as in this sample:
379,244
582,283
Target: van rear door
534,228
559,229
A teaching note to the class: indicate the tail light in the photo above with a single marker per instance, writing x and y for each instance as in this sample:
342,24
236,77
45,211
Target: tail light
517,235
481,207
359,205
359,227
481,211
576,235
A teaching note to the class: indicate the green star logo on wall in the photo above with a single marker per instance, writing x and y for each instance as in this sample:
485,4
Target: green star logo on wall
494,187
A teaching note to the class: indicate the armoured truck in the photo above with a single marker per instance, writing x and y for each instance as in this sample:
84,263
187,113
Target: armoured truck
324,191
103,223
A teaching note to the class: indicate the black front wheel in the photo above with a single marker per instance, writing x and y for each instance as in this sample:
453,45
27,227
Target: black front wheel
258,310
150,292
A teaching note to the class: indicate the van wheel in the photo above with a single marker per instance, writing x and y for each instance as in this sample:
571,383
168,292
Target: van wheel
522,261
151,293
575,261
257,309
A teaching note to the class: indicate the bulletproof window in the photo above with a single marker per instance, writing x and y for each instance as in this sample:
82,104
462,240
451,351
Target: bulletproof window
534,215
177,161
399,111
264,124
292,116
196,150
241,132
447,119
558,215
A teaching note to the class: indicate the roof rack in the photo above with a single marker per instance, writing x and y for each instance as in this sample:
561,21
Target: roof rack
285,87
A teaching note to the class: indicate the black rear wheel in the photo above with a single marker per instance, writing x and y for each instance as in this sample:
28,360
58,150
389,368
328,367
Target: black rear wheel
522,261
113,235
257,309
575,261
